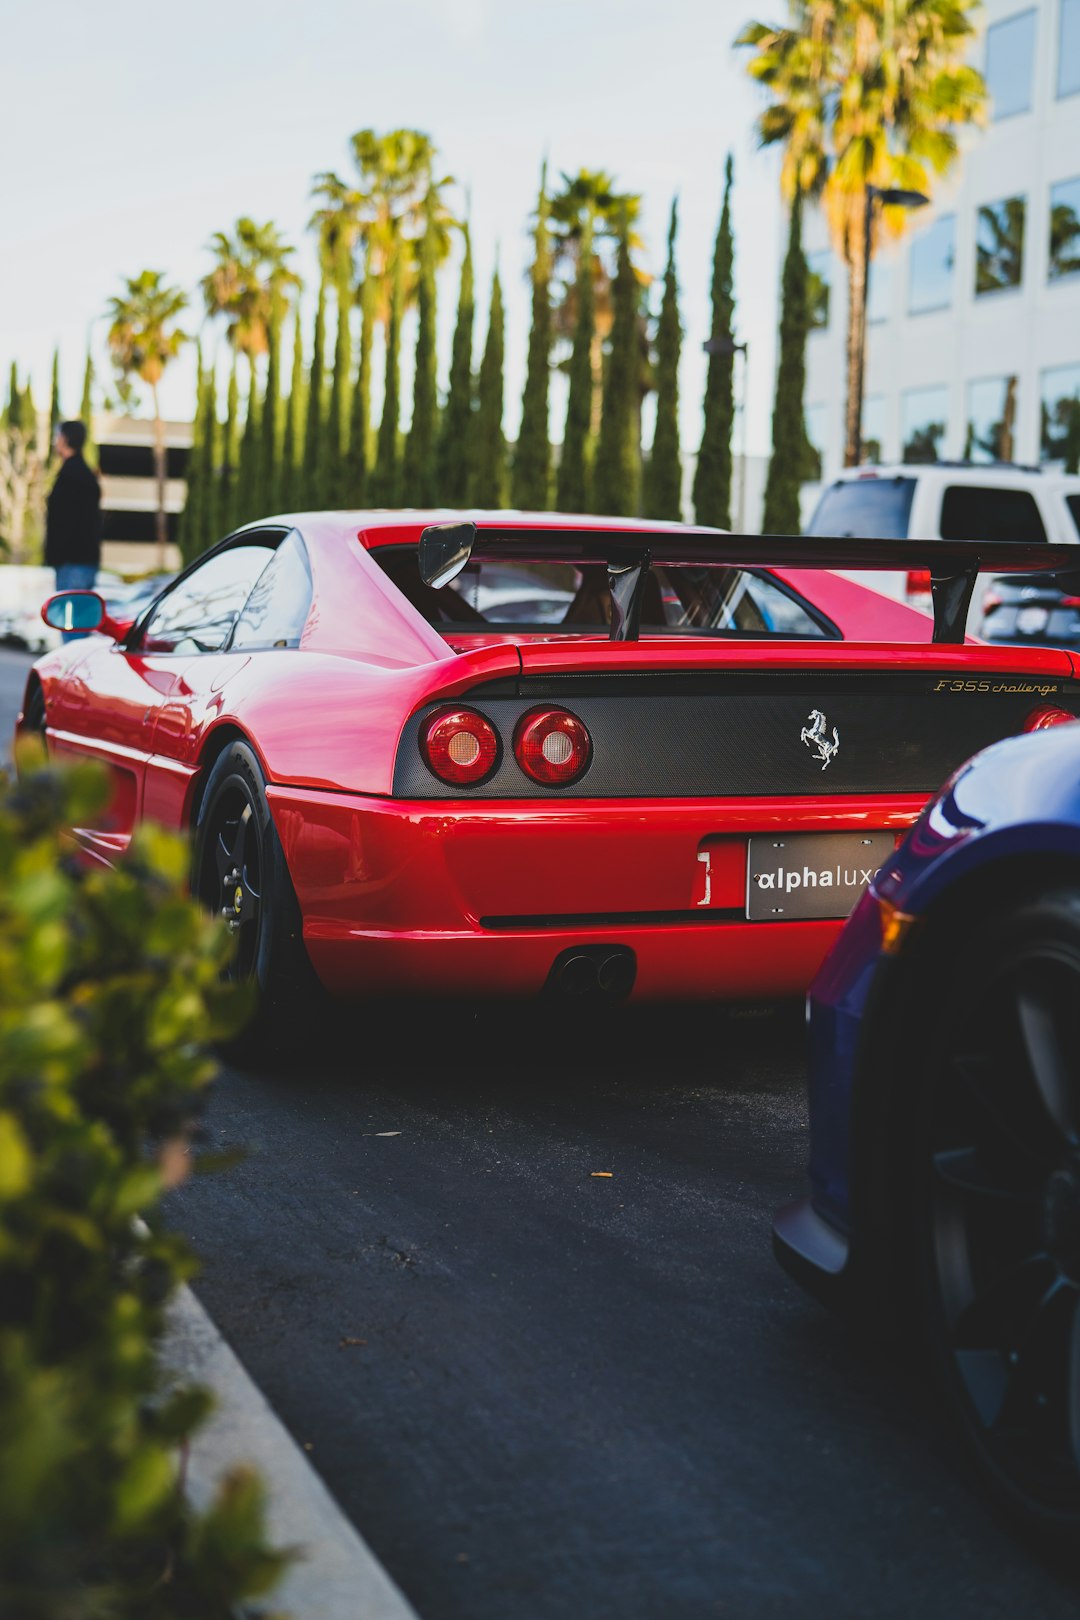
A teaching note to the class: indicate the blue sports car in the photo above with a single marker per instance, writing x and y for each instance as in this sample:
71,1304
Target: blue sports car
944,1034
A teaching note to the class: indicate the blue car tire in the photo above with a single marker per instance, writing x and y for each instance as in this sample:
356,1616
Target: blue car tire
998,1201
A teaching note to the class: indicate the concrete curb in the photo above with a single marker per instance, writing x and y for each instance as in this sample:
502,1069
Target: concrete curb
337,1577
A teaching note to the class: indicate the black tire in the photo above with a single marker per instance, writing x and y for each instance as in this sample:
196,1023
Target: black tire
998,1203
239,871
33,717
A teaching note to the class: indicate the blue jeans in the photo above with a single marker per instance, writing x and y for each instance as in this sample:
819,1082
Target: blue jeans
75,577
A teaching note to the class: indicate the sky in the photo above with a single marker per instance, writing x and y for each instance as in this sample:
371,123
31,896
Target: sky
142,129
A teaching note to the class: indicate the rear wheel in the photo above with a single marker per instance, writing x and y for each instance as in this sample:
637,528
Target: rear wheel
240,873
999,1205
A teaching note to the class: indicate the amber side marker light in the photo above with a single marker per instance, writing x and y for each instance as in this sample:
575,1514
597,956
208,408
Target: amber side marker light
459,746
552,746
1043,718
895,926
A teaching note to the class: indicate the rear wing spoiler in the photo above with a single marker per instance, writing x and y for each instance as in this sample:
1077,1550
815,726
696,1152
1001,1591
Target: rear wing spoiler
953,565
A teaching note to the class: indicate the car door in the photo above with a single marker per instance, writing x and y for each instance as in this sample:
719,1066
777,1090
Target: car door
119,691
270,618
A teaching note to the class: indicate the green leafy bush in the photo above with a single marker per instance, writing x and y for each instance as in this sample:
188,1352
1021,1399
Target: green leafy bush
110,989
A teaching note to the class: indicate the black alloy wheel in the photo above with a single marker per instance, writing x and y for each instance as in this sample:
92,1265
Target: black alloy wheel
240,873
233,845
1000,1211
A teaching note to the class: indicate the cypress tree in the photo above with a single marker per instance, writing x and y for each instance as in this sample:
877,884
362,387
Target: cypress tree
54,399
191,538
419,467
791,454
572,486
269,491
209,515
28,412
384,477
15,398
356,474
532,457
617,477
290,493
335,439
311,492
712,477
248,472
230,455
663,475
455,434
86,411
488,479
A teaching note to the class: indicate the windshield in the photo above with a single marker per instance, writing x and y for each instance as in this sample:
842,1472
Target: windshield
680,599
870,508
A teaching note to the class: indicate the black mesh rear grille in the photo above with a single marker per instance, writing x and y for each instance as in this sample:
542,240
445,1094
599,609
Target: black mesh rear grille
706,735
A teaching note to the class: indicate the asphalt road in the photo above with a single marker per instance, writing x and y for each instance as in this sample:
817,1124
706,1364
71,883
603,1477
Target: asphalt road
544,1394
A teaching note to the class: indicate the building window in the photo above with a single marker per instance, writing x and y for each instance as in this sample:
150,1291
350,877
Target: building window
879,291
925,415
1069,49
1064,229
933,254
818,283
991,420
815,417
1010,64
1061,416
999,245
873,428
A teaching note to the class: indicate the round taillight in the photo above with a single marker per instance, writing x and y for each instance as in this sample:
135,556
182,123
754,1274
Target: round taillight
1043,718
552,746
459,746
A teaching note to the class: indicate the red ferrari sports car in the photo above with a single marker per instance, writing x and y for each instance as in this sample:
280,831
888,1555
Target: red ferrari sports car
501,753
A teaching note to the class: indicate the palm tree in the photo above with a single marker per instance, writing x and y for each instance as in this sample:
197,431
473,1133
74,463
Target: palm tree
588,208
143,337
865,94
385,215
248,283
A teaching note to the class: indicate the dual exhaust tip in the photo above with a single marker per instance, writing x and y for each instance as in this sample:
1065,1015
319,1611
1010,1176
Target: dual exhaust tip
593,972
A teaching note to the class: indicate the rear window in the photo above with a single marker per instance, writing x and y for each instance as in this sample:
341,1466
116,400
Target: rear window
866,508
974,512
507,595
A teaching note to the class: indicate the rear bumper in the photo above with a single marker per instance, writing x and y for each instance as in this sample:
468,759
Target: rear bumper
442,898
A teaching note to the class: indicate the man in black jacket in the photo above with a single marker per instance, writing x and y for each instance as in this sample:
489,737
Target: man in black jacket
73,517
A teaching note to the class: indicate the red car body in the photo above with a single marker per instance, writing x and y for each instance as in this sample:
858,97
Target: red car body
406,889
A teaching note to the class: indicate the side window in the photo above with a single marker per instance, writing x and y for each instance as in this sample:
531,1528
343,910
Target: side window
276,611
969,512
198,614
783,615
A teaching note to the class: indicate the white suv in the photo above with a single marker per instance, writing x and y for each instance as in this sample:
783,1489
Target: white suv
946,501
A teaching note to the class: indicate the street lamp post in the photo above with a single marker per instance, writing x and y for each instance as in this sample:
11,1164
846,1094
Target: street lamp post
888,197
726,345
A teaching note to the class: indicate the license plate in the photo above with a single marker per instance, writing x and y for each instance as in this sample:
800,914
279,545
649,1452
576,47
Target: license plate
811,874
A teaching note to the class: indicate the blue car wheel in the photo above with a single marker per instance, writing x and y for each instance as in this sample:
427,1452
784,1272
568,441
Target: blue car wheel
999,1201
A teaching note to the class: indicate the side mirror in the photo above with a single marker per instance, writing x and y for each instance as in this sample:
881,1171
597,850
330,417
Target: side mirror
445,548
75,610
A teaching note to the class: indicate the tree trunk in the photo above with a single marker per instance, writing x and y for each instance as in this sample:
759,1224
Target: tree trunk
856,344
161,523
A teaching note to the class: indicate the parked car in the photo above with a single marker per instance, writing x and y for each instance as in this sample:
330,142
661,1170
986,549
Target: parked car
948,501
673,782
944,1038
1026,612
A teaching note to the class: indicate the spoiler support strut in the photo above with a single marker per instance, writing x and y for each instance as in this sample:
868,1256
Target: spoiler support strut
951,596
